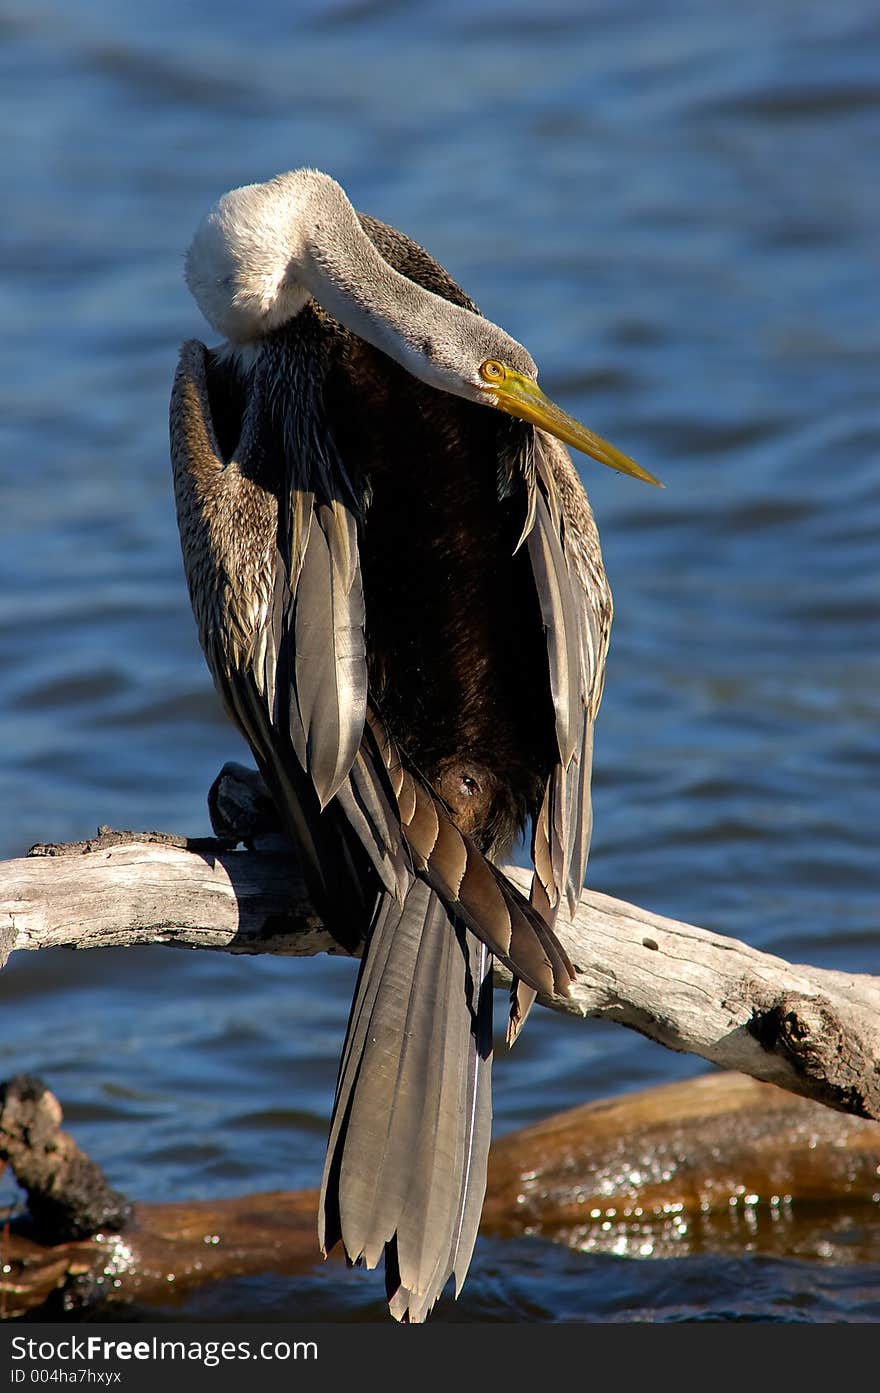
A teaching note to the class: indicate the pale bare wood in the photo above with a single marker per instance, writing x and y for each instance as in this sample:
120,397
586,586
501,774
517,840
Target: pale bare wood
812,1031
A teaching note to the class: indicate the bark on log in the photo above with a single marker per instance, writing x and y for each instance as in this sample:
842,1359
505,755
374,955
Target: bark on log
809,1030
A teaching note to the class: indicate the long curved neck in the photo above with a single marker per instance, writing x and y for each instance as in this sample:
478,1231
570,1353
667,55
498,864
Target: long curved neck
266,249
338,265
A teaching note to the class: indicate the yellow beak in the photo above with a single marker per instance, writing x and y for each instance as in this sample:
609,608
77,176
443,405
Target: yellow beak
521,397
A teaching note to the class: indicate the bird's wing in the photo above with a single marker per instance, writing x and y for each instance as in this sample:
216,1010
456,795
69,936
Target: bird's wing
576,608
316,615
282,630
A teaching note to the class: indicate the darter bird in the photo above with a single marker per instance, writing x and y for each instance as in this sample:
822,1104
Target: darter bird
399,591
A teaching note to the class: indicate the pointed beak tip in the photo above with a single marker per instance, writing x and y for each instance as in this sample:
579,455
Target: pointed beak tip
523,398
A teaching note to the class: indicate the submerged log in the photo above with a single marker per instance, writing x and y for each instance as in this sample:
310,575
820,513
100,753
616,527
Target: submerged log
718,1164
715,1164
810,1030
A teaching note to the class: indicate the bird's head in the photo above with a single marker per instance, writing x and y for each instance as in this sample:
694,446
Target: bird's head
468,356
265,250
505,377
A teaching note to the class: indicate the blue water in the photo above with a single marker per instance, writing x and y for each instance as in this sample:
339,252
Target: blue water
676,208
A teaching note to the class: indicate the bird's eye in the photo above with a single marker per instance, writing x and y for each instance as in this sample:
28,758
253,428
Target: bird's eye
468,787
491,371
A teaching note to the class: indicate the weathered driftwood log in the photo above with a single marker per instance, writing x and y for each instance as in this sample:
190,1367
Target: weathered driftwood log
719,1164
810,1030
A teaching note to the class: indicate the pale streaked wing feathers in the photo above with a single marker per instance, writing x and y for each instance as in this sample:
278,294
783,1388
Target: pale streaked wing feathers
576,607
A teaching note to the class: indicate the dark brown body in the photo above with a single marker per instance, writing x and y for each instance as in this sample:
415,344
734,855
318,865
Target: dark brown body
455,642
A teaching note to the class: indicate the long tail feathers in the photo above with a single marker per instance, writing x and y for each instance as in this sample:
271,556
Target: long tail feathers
409,1141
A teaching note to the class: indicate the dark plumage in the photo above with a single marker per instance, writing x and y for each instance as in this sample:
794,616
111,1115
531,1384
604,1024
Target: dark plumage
417,689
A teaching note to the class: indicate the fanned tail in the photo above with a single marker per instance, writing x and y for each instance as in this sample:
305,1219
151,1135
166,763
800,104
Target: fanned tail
405,1173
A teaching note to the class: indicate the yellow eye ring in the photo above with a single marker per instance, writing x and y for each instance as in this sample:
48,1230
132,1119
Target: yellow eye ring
492,371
